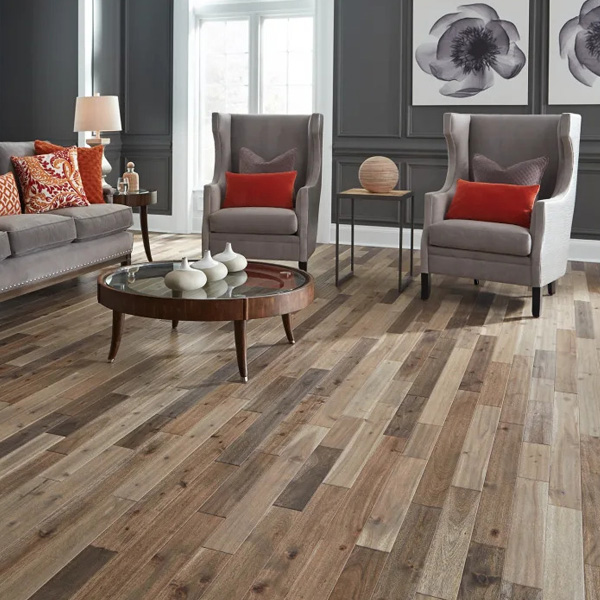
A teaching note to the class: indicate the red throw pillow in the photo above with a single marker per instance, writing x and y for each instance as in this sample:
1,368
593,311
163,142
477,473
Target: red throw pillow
90,167
275,190
493,202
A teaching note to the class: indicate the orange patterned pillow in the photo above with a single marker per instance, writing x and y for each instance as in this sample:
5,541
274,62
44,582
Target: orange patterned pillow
9,196
50,181
90,167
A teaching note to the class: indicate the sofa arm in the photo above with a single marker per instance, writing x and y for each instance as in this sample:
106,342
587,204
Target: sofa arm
307,212
551,223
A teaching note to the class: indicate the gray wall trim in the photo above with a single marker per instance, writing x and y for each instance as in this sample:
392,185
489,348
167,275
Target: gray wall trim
373,44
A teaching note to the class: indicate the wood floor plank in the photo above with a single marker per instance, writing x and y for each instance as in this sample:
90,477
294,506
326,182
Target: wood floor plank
71,577
440,468
442,573
475,374
494,385
514,406
384,523
495,508
565,470
482,576
301,488
563,559
524,562
360,574
590,483
28,451
473,461
535,462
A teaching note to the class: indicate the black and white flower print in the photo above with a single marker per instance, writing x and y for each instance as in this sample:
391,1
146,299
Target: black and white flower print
473,45
579,41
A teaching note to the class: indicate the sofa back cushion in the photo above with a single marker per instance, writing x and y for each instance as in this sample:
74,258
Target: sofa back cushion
8,149
9,196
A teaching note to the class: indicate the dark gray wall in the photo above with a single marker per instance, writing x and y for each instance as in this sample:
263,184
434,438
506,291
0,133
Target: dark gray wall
38,70
133,58
373,112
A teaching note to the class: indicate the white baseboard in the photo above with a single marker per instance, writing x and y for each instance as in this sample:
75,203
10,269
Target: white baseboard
387,237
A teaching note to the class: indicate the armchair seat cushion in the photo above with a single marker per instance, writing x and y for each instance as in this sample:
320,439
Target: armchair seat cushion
255,220
480,236
98,220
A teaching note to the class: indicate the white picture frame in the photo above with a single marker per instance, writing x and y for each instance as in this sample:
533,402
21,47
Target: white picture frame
570,81
445,70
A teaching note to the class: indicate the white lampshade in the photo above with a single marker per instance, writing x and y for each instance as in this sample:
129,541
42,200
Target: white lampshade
97,113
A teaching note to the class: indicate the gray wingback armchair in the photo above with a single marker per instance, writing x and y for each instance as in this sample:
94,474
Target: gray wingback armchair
533,257
266,233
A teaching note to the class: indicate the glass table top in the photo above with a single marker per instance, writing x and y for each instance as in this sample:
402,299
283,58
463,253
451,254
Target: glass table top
257,281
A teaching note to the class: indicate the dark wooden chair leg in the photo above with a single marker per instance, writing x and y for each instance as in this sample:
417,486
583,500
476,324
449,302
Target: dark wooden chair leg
241,348
117,333
476,281
127,261
287,325
537,301
425,286
552,288
303,265
175,324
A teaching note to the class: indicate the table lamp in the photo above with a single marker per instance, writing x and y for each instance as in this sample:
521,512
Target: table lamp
96,114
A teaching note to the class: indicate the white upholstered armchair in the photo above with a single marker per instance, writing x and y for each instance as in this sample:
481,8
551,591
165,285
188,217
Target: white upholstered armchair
533,257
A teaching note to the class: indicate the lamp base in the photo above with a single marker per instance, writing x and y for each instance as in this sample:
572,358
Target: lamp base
106,167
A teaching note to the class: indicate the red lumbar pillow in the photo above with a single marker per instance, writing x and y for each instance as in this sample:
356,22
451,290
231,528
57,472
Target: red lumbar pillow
275,190
493,202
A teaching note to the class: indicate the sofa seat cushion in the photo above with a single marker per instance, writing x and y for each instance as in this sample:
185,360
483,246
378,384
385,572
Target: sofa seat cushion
34,233
480,236
98,220
255,220
4,245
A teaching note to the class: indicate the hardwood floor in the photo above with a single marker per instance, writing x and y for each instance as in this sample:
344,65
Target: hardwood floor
402,449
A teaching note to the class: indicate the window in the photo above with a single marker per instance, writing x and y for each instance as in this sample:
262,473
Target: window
252,60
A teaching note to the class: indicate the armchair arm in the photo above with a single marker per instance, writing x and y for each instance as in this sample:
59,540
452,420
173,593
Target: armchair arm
307,212
212,203
551,222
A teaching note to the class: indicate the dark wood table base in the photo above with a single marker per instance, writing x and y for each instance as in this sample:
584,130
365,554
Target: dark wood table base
241,340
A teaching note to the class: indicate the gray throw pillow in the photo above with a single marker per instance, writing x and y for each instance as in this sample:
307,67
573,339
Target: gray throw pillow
250,162
528,172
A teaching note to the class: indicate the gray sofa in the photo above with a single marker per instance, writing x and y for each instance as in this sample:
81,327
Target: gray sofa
37,250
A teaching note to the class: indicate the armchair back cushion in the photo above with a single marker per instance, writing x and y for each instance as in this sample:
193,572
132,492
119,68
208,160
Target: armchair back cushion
510,139
270,136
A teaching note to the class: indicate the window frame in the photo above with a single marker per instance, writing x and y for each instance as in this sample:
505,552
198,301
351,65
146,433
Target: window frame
255,13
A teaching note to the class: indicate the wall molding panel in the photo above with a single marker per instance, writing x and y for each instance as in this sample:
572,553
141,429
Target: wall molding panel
373,112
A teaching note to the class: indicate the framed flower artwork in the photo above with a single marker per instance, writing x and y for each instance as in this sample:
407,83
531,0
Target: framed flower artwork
472,54
574,52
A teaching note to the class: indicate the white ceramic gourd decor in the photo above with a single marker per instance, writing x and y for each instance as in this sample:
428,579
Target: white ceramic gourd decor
232,260
214,271
184,278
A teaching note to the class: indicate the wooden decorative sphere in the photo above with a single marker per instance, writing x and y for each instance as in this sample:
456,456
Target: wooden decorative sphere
378,175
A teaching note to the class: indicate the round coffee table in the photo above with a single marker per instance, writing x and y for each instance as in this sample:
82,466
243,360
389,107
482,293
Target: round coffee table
262,290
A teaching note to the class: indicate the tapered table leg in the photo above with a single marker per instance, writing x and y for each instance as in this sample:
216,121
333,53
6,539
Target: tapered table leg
287,325
241,348
117,332
145,237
